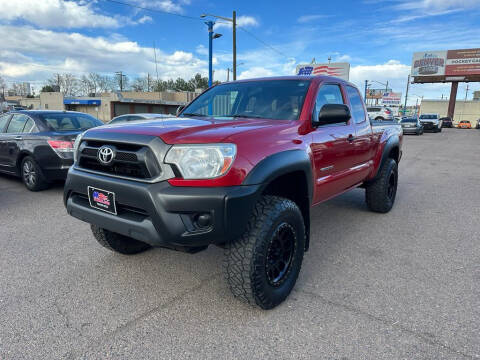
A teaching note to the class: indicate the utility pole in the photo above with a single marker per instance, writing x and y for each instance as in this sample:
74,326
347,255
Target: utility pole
366,87
228,74
234,33
120,75
148,82
406,95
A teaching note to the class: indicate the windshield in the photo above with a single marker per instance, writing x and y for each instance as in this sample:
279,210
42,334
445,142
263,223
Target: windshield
428,116
69,121
408,120
271,99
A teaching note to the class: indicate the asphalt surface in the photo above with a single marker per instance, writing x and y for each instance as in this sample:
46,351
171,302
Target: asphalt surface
398,286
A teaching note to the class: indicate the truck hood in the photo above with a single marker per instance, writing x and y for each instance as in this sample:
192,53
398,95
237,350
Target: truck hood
190,130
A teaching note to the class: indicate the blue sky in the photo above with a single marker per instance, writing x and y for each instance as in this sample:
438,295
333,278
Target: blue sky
377,37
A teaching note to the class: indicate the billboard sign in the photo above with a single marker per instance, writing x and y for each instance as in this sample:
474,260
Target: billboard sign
446,63
340,70
391,98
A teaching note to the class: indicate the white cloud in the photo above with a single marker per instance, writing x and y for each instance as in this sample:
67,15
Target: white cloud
55,14
36,54
419,9
165,5
438,4
244,21
144,19
309,18
201,50
255,72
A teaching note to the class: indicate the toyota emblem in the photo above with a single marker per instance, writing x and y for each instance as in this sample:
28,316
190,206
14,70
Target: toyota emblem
105,155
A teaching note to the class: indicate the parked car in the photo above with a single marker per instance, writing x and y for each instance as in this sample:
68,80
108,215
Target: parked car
464,124
380,113
431,122
411,125
447,122
137,117
478,124
38,145
243,177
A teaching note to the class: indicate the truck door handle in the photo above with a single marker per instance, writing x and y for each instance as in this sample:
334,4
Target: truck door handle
18,138
351,138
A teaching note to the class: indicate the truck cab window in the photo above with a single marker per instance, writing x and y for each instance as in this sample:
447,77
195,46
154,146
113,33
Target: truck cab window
356,103
327,94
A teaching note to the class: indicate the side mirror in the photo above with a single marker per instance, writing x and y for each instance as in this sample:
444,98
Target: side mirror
333,114
180,109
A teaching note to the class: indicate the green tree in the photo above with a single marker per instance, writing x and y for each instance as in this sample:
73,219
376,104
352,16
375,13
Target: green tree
47,88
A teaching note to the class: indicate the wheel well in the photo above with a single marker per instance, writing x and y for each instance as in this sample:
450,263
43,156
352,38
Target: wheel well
293,186
394,154
20,158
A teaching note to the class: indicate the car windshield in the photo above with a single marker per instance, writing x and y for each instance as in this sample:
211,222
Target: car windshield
409,120
270,99
426,116
69,121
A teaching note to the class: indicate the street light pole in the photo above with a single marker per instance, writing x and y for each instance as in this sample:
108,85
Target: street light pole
210,51
233,20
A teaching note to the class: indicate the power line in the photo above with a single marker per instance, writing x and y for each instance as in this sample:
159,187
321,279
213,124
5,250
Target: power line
195,18
153,10
263,42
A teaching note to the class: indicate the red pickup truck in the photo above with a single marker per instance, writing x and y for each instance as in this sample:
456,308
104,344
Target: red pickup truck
239,167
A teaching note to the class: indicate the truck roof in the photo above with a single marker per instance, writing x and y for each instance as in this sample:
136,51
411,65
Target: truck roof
321,78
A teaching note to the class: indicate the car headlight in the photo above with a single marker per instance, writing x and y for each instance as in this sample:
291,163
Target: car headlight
202,161
76,144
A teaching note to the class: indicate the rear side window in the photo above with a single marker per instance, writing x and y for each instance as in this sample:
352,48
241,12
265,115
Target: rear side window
29,126
356,104
3,122
67,122
17,123
328,94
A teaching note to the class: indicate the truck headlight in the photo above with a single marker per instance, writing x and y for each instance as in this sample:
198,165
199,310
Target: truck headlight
202,161
76,144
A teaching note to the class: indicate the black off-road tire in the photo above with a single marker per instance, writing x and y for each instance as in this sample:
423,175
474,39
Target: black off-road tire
117,242
32,175
380,194
249,261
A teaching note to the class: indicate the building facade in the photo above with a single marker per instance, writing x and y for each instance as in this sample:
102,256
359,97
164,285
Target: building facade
108,105
464,110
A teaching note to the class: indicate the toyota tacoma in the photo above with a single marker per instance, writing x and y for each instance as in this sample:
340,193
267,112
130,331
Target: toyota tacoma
239,167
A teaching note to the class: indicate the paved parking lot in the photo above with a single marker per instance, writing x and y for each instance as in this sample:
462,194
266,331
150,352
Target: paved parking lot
398,286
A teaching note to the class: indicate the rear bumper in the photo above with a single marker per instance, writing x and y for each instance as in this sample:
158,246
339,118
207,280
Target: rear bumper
163,215
411,130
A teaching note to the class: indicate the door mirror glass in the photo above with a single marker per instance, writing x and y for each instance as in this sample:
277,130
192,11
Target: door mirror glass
333,114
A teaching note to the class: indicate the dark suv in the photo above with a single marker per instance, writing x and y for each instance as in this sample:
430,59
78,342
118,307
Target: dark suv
38,145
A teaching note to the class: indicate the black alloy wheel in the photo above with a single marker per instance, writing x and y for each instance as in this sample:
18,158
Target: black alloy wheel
280,254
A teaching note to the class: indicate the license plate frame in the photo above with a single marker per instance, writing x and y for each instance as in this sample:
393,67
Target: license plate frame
106,200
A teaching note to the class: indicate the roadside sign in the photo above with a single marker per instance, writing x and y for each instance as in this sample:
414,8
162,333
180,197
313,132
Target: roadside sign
391,98
340,70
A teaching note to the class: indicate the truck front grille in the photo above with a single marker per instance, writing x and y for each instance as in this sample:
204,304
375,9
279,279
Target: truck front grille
132,161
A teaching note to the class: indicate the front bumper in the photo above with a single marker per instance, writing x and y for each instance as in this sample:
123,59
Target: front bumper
163,215
429,126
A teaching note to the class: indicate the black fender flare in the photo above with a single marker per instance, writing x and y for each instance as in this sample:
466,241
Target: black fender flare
392,143
279,164
283,163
